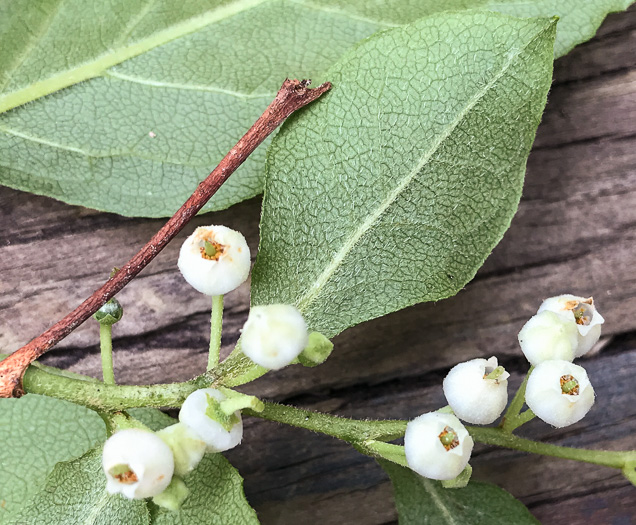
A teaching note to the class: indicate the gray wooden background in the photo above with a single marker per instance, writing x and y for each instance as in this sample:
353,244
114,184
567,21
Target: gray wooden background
574,233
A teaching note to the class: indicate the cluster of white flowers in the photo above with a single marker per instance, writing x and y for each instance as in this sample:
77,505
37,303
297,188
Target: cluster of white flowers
141,464
216,260
564,328
438,446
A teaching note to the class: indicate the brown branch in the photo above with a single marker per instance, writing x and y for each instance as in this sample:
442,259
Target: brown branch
293,95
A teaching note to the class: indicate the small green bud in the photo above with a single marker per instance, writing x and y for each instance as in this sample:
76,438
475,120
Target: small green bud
460,481
110,313
317,351
173,497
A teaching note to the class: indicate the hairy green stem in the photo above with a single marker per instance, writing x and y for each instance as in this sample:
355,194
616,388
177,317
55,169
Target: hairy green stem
109,398
358,432
608,458
380,449
510,420
106,347
216,325
238,369
352,431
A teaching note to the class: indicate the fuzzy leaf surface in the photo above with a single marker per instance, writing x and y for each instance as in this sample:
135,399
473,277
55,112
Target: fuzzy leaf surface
216,497
37,432
422,501
160,91
75,492
394,187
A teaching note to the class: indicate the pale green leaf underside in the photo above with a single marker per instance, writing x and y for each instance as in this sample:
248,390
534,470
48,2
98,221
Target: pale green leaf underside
35,433
216,497
195,73
42,482
75,492
394,187
422,501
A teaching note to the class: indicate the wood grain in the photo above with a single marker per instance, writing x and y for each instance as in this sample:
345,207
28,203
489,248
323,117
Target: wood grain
575,231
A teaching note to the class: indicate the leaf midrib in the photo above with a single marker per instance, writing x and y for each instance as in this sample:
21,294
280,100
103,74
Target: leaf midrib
97,66
430,487
316,287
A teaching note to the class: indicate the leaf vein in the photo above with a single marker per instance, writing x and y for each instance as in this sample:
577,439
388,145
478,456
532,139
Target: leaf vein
186,87
310,295
37,37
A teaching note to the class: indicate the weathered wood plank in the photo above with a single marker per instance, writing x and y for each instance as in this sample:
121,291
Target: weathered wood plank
574,232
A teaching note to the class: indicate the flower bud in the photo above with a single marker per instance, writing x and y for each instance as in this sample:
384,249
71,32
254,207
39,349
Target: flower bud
214,260
548,335
109,313
559,393
477,390
200,413
582,311
137,464
437,446
274,335
187,448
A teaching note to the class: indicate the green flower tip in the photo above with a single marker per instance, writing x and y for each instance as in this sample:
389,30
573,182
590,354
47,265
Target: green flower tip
317,351
110,313
173,497
214,411
460,481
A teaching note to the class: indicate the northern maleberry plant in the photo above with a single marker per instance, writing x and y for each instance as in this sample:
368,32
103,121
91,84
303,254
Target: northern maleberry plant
389,186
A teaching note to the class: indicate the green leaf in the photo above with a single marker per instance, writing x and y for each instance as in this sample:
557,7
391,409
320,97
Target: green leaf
216,497
424,501
36,432
151,417
161,91
394,187
75,492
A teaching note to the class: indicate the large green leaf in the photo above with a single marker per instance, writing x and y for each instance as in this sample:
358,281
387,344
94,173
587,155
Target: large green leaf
394,187
195,73
75,493
422,501
36,432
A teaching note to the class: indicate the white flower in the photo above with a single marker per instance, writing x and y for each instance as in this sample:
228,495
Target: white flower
215,260
559,393
195,414
583,312
187,448
274,335
437,446
137,464
548,335
472,395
